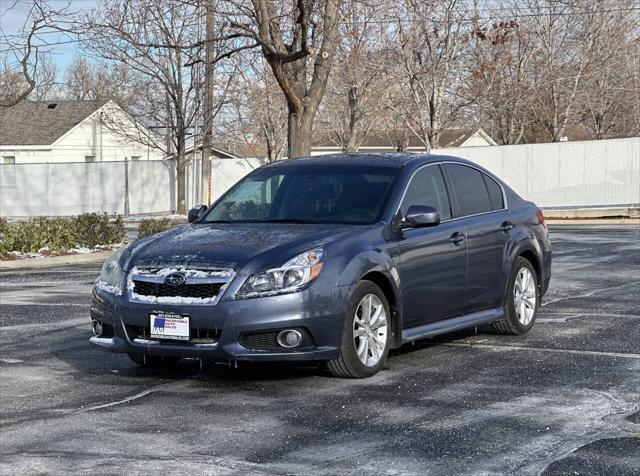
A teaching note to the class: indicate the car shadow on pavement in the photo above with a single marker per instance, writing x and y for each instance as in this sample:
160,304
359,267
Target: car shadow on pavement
91,362
439,340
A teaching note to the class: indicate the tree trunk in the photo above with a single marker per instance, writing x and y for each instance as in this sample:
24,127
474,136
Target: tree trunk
181,166
349,142
207,137
299,134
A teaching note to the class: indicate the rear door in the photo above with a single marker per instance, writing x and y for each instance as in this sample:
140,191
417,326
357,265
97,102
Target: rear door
433,260
478,205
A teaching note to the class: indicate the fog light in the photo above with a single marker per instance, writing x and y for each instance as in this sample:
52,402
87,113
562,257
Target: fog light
97,328
289,338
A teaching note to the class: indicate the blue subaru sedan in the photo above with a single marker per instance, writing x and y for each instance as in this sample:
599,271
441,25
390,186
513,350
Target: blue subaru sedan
334,259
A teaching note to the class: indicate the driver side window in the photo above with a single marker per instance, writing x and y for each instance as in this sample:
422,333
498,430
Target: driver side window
427,188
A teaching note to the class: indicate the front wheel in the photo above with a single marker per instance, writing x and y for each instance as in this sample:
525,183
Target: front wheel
366,334
523,299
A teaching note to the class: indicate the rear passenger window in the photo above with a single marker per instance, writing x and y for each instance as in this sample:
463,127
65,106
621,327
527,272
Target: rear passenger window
469,189
427,188
495,193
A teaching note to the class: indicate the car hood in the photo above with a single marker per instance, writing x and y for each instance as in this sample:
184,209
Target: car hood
232,245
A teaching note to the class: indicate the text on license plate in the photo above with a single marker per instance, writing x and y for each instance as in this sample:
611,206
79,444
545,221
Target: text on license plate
169,326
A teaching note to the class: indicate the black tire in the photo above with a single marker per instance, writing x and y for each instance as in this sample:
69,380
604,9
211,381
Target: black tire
154,361
348,364
511,325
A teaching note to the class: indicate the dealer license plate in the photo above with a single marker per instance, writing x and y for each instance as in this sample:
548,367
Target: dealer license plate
166,325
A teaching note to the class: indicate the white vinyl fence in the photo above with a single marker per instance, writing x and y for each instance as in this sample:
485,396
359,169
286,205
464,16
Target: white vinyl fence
72,188
560,175
604,173
132,187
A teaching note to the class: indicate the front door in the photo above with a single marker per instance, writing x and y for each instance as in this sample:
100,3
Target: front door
432,260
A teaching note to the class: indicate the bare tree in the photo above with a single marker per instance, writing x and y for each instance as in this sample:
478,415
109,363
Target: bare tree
566,32
46,76
146,36
268,111
22,53
501,78
360,82
86,80
255,116
433,35
290,38
607,95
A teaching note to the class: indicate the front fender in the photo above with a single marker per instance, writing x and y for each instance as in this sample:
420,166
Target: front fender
381,263
368,261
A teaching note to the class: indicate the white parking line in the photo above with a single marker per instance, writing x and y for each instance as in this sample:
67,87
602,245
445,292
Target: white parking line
11,361
59,324
546,349
118,402
70,304
592,292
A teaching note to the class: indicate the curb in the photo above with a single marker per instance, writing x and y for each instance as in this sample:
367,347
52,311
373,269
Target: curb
593,221
98,257
592,213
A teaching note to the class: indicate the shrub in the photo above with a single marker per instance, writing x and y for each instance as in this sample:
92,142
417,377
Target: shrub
60,234
151,227
94,229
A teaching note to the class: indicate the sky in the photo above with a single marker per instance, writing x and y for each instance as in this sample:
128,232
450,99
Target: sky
13,15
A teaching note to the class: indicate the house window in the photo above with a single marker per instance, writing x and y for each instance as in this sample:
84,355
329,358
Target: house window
89,158
135,157
8,171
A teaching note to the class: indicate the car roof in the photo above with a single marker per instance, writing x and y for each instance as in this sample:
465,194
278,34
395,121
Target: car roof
397,160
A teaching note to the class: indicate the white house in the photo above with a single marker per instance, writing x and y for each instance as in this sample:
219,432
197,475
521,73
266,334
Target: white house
72,131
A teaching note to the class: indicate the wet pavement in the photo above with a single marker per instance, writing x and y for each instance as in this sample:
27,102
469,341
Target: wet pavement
563,399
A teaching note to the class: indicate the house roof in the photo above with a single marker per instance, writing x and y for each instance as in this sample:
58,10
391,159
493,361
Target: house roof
228,150
241,150
390,138
42,123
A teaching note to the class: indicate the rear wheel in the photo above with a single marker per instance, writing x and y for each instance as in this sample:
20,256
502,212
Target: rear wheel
153,361
523,299
366,334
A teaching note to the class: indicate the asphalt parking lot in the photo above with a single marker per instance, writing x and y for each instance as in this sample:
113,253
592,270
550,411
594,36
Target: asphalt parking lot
564,399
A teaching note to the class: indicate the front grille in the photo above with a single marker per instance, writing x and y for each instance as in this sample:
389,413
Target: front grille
198,335
198,291
260,340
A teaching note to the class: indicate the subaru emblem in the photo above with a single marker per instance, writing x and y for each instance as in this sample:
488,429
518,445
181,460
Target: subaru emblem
175,279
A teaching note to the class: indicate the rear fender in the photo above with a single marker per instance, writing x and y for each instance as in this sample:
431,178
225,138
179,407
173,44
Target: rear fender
523,241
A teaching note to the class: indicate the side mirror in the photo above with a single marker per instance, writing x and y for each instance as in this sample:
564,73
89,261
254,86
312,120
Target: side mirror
195,212
419,216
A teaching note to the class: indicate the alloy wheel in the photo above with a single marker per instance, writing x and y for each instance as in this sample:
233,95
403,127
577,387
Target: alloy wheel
370,330
524,296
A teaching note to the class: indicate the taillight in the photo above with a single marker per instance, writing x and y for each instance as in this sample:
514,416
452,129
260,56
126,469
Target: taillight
540,216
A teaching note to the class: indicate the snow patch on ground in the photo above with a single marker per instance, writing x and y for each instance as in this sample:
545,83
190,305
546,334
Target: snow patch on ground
137,218
45,252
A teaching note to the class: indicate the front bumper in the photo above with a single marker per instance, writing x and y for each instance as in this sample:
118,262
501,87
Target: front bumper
321,315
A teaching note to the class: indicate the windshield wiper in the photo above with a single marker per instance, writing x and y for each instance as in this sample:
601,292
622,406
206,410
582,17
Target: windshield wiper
286,220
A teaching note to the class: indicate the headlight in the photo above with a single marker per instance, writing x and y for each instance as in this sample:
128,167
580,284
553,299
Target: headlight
111,273
288,278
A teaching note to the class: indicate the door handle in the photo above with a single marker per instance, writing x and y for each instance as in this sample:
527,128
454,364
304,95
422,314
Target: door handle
506,226
456,238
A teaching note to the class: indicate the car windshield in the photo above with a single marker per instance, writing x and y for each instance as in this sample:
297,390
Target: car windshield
351,195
